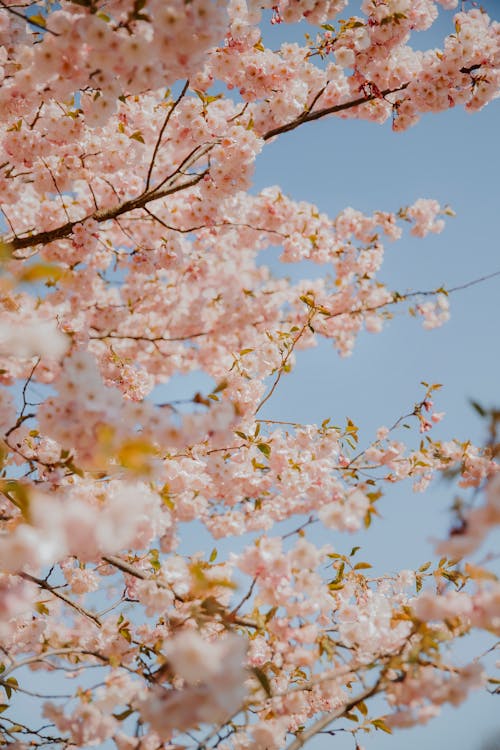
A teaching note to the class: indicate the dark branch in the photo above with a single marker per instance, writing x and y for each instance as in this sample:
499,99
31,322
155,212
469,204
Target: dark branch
309,116
162,130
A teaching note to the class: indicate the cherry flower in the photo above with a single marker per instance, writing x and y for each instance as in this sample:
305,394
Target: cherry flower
133,254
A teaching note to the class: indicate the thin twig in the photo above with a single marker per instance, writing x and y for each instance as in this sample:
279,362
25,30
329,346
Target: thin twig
216,225
56,652
148,339
54,181
285,360
162,130
29,20
245,598
47,587
324,721
309,116
19,243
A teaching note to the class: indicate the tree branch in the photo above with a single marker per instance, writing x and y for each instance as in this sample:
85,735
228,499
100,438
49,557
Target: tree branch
147,339
309,116
162,130
56,652
37,25
324,721
284,361
19,243
47,587
169,186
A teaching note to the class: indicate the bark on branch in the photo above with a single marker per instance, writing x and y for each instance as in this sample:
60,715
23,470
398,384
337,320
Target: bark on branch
309,116
167,187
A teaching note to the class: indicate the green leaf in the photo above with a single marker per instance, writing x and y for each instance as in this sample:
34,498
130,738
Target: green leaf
10,684
71,466
213,555
477,407
220,386
338,578
137,136
380,724
269,615
125,633
154,557
207,98
17,493
309,301
38,19
265,449
263,680
333,586
48,272
5,251
124,714
362,707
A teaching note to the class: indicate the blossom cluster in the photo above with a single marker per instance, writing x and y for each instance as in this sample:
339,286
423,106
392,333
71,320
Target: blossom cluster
133,252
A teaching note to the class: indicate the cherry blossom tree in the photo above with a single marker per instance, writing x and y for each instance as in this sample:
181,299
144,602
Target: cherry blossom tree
130,254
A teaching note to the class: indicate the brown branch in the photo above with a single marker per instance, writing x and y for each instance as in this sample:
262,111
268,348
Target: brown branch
193,156
14,12
56,652
324,721
47,587
309,116
398,298
125,567
167,187
247,596
468,283
131,570
285,360
54,182
216,225
160,134
148,339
